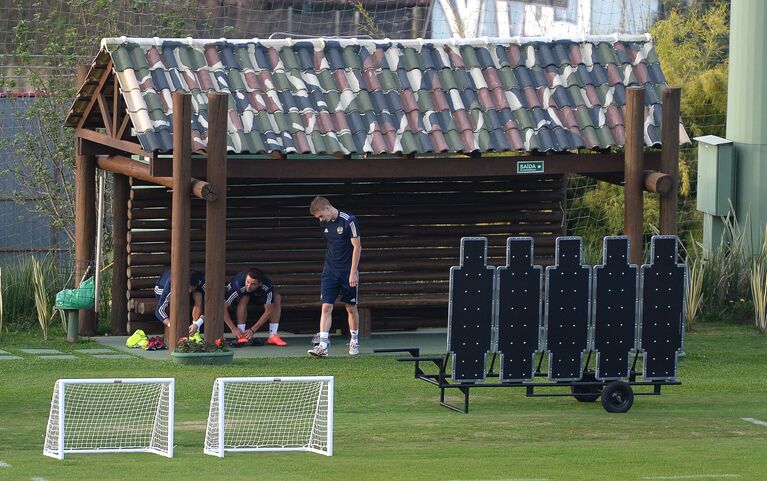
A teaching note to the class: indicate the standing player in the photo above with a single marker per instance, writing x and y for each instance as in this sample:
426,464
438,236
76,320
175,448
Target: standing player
196,291
340,273
254,286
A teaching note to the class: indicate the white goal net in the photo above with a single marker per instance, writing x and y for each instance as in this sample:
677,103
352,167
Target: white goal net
111,416
271,414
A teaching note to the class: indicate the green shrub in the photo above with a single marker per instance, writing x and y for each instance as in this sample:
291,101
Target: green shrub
18,293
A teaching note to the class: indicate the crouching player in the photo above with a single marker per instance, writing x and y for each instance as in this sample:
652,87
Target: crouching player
196,292
255,287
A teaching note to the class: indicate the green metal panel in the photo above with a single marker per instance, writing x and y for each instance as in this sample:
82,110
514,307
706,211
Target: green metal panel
747,112
713,232
746,92
751,195
716,175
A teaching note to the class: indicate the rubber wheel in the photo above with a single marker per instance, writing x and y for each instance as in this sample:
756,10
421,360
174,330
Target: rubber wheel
617,397
586,394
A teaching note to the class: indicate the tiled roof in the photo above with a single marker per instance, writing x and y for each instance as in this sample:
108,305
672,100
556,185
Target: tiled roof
385,96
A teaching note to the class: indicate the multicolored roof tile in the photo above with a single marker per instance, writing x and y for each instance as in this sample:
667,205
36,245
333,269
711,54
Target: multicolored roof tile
328,96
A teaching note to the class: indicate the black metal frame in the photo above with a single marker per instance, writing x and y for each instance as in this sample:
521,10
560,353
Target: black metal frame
442,378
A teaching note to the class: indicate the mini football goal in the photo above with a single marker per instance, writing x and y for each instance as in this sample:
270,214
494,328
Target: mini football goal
111,416
271,414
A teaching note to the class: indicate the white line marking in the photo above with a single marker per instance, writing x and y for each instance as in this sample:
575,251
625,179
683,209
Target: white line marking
513,479
3,464
755,421
38,478
695,476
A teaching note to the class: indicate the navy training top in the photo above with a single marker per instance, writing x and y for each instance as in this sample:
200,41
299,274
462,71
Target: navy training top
339,233
236,288
162,292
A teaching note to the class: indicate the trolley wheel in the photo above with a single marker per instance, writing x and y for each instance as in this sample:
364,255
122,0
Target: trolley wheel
617,397
586,394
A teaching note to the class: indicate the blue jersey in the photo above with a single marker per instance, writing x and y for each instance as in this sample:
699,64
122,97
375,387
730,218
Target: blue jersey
162,292
339,233
236,288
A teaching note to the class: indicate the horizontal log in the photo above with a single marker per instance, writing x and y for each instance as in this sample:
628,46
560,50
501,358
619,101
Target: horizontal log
369,222
147,307
658,182
652,181
133,168
315,278
377,203
259,234
276,270
307,190
369,244
424,212
257,257
285,278
403,167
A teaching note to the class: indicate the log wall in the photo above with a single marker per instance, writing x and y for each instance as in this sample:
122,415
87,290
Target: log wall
410,232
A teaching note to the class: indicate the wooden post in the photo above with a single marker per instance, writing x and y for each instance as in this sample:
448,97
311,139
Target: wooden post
669,159
85,219
215,217
121,192
179,243
633,173
366,323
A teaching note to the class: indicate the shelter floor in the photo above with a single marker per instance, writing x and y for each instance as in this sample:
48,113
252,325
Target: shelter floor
428,340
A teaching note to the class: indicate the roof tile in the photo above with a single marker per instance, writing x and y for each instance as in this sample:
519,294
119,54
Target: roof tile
342,96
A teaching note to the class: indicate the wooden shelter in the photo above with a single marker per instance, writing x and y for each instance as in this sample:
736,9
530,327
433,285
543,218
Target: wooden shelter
425,141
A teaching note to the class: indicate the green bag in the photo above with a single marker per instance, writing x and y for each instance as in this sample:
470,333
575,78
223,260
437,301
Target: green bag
81,298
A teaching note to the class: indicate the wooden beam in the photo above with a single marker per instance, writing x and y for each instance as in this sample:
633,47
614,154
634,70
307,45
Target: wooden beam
139,170
95,95
85,221
105,115
435,167
657,183
121,193
179,266
653,182
123,127
634,173
106,145
670,158
116,111
215,215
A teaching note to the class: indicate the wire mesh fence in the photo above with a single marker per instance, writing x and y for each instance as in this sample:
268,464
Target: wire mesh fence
42,42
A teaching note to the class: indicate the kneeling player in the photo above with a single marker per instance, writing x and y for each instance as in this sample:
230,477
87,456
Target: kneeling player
196,291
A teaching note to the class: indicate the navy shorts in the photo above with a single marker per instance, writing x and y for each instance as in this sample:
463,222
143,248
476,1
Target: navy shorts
257,298
335,282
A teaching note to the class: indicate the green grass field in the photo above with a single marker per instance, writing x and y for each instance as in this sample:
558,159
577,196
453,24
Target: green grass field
388,426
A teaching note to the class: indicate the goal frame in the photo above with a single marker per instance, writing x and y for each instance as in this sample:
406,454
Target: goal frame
221,382
60,387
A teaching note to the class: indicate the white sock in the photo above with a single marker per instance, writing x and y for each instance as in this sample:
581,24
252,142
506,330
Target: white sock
241,327
324,339
355,336
273,328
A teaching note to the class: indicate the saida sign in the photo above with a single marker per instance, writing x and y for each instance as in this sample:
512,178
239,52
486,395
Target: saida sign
530,167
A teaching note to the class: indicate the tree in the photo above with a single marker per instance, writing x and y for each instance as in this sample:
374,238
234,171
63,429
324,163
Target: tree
693,49
48,40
